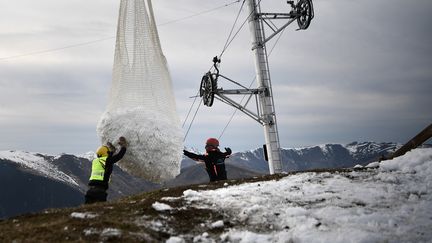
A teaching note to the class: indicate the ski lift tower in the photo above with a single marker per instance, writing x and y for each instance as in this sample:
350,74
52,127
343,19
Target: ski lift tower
302,11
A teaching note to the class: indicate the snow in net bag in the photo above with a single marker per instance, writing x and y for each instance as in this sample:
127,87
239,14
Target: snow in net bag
141,105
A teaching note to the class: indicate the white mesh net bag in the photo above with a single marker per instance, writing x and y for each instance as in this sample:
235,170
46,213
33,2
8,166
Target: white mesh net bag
141,104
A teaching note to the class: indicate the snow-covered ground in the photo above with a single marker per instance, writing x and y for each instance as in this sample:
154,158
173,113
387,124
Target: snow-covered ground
390,204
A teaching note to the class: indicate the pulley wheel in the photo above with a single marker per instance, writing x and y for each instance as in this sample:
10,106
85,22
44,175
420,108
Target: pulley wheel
305,9
207,89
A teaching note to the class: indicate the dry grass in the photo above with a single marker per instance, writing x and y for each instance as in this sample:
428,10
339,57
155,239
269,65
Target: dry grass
132,219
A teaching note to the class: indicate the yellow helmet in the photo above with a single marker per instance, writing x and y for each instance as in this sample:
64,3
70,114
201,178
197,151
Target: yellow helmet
102,151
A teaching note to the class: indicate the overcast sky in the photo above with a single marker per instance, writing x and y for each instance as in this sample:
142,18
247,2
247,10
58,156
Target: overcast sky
361,72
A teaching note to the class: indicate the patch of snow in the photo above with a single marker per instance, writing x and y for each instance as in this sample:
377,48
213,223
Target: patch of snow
247,237
89,155
244,157
373,165
352,148
358,166
217,224
170,199
389,204
300,151
190,193
111,232
161,206
324,148
37,163
78,215
156,224
91,231
203,238
175,239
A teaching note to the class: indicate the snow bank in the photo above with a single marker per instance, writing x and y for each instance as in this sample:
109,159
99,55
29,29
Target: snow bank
217,224
161,206
78,215
105,234
175,239
111,232
389,204
155,144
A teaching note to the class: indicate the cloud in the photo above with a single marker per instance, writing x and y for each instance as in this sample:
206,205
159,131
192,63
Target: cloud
360,72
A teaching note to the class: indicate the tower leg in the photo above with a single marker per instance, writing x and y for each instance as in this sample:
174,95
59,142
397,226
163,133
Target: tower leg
265,98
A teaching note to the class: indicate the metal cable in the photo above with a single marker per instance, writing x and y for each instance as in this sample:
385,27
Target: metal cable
238,31
200,13
55,49
193,119
112,37
190,109
227,43
232,29
250,85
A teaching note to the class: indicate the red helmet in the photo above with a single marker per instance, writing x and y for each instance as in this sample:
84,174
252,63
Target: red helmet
213,142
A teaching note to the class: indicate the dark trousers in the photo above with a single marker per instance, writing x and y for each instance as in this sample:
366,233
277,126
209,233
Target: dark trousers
220,171
211,171
95,194
216,172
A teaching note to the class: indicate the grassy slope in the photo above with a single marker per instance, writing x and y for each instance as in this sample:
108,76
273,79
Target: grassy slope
133,216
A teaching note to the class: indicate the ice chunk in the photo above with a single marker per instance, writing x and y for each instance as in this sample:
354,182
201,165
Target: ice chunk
111,232
141,105
83,215
161,206
175,239
217,224
155,144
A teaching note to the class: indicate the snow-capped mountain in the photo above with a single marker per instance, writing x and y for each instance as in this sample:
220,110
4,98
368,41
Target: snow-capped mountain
252,162
31,182
389,201
316,157
39,163
60,181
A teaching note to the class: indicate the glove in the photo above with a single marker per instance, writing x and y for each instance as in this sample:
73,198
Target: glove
111,147
185,152
228,150
122,142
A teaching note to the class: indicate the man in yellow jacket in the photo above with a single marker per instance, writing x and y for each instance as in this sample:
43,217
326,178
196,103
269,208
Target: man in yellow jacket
102,168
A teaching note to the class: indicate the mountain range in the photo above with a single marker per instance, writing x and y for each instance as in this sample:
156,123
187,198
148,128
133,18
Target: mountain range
31,182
